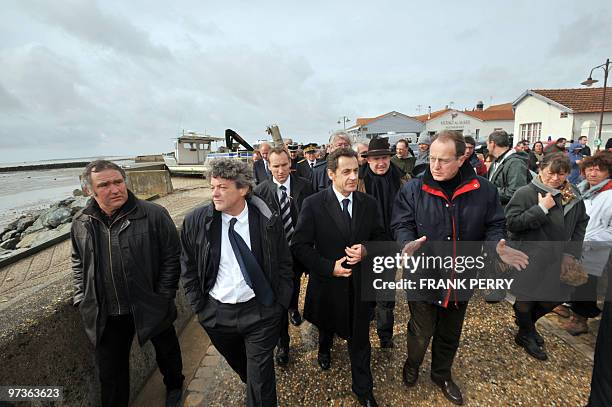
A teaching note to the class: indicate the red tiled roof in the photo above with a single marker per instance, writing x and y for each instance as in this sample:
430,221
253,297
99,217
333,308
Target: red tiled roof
362,121
583,100
494,112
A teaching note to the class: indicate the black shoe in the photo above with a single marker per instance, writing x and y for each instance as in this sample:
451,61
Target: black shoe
324,359
450,390
368,401
529,343
173,397
295,318
282,355
386,344
538,338
410,375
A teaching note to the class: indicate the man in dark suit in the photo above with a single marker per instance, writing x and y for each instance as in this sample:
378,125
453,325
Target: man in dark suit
294,156
261,168
326,237
237,275
320,179
285,194
305,166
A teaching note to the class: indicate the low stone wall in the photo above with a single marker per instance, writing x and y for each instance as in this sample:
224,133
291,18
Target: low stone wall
43,344
146,183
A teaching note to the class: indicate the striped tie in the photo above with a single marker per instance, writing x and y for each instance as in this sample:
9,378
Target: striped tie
286,213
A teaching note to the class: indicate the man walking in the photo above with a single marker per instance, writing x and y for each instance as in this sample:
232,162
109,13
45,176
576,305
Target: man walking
306,166
125,262
285,193
429,208
402,159
236,271
327,239
261,168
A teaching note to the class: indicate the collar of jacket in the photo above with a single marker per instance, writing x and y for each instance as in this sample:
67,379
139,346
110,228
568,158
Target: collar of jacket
589,192
554,192
93,209
469,182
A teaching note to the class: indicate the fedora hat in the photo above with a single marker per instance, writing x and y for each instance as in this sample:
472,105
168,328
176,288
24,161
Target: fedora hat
378,147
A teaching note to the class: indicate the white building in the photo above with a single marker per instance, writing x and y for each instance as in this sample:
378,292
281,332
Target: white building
548,114
478,123
388,124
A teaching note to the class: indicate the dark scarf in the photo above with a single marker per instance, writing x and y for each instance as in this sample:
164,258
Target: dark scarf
384,188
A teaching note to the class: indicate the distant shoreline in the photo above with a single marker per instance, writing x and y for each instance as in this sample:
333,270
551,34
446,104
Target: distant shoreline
50,164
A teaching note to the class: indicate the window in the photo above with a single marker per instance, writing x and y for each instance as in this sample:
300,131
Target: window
531,131
563,115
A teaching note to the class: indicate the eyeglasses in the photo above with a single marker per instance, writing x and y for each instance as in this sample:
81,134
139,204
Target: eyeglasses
442,161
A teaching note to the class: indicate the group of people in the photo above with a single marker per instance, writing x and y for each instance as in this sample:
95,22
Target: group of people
241,258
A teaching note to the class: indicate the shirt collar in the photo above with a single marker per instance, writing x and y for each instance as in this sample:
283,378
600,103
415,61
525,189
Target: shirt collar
243,217
286,184
341,197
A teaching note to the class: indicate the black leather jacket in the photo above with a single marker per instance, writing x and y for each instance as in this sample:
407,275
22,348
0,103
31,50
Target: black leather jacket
149,251
199,263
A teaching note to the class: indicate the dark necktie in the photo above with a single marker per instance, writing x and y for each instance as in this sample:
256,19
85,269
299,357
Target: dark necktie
250,268
346,213
285,207
311,165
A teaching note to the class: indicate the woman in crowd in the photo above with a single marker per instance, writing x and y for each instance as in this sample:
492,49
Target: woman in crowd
596,191
538,151
547,220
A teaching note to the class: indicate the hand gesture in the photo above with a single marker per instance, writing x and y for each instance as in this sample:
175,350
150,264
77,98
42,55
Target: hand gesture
340,271
512,257
354,253
546,200
413,246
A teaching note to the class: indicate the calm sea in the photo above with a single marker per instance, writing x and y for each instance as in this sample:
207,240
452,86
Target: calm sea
23,191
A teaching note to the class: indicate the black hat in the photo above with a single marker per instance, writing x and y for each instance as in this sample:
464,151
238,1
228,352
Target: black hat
310,148
292,147
378,146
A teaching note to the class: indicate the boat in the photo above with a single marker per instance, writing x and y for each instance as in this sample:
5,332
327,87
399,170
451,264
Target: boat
193,152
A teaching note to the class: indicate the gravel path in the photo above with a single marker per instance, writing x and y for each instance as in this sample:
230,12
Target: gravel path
490,369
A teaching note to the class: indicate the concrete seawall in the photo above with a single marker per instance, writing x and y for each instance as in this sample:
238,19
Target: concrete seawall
42,341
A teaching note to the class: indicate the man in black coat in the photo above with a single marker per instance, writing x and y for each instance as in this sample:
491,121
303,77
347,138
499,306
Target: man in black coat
261,168
305,167
125,262
320,179
327,239
382,181
285,193
237,274
430,208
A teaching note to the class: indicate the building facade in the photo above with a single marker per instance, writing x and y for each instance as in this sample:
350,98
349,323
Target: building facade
388,124
478,123
548,114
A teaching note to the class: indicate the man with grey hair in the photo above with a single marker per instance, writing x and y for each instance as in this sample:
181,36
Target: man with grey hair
320,180
237,273
361,148
125,263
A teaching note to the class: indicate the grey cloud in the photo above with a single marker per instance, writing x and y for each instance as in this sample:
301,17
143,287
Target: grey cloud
8,102
84,20
586,34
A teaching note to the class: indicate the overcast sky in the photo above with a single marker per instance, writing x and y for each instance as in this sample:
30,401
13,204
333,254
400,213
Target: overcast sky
82,78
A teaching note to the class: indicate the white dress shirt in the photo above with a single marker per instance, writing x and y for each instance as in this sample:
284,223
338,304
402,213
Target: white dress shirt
341,197
286,184
230,286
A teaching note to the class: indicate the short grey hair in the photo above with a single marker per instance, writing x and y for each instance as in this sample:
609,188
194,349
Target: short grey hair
340,134
233,170
500,138
98,166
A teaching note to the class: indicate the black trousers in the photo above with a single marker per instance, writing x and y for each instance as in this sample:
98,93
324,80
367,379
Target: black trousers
246,334
444,325
385,319
284,339
601,382
584,299
113,359
360,362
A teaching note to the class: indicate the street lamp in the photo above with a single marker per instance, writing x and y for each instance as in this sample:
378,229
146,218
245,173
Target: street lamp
590,81
343,120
